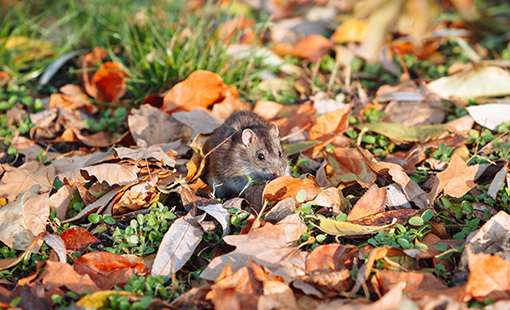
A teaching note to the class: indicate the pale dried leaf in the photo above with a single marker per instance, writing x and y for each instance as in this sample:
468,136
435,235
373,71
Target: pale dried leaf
177,246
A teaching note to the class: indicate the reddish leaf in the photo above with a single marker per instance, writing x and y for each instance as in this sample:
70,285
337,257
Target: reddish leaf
108,83
107,269
78,238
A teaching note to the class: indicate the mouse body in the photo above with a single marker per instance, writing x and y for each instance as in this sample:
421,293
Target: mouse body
254,150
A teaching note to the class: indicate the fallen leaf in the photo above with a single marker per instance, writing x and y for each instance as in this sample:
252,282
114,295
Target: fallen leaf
488,277
199,120
478,82
415,281
108,83
490,115
352,30
107,269
372,202
78,238
72,98
177,246
57,274
149,126
401,134
200,90
17,180
288,187
456,180
24,218
338,228
271,252
313,48
346,166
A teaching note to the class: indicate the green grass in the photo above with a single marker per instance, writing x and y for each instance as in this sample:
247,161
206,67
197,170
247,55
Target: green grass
159,43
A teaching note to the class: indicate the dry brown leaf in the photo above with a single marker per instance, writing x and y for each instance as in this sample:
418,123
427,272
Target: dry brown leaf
177,246
329,124
236,291
456,180
57,274
372,202
149,126
78,238
72,99
489,277
199,120
229,105
385,280
346,166
271,251
331,257
200,90
17,180
413,192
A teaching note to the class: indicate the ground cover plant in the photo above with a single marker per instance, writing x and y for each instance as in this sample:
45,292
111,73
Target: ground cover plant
394,116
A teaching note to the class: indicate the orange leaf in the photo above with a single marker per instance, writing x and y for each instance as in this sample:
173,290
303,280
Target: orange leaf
352,30
312,48
456,180
108,82
489,276
107,269
288,187
372,202
199,90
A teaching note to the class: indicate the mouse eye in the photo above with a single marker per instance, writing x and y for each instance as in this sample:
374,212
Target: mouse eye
261,156
279,153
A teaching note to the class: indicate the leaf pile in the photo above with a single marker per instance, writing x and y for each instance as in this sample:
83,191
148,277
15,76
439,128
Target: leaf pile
399,149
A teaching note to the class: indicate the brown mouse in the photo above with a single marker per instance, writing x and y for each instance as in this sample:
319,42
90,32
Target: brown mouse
254,150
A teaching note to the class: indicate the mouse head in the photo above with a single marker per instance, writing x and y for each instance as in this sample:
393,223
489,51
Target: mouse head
265,153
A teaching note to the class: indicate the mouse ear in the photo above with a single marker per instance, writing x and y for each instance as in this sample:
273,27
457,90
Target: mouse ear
274,130
248,137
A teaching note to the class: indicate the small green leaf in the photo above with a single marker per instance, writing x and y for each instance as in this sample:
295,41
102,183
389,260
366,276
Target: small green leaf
94,218
427,215
320,238
403,243
301,196
441,247
421,246
467,206
12,150
416,221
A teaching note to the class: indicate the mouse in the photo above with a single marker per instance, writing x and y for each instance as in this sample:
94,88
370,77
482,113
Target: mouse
252,148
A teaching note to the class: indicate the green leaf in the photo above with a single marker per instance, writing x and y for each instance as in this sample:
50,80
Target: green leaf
416,221
467,206
94,218
301,196
401,134
403,243
427,215
441,247
12,150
